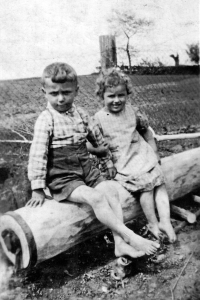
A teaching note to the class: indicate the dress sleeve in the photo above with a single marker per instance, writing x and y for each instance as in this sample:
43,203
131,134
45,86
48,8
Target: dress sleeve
37,166
142,122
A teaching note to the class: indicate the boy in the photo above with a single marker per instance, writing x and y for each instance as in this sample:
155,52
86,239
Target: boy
59,159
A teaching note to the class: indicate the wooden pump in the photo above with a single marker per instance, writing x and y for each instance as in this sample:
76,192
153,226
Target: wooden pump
46,231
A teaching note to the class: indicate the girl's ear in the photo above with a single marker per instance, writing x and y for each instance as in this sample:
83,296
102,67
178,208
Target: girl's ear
77,89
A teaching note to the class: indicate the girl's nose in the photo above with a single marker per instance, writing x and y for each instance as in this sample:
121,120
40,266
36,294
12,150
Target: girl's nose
116,99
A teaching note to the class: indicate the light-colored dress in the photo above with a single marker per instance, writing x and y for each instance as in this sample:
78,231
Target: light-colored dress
135,160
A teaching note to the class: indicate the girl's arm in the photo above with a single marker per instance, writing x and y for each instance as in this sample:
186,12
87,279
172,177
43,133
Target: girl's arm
146,131
148,135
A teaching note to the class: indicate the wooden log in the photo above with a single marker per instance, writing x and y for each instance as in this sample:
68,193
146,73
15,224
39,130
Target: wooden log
55,227
196,199
183,213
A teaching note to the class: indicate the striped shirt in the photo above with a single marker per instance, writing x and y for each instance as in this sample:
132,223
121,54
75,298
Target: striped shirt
54,129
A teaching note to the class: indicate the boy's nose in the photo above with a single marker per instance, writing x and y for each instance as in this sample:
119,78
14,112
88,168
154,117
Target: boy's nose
60,97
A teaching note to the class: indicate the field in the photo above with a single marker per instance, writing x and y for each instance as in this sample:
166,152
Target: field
172,104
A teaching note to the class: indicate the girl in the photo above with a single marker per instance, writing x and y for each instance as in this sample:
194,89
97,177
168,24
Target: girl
134,153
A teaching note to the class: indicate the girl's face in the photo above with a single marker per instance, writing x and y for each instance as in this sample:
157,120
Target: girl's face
115,98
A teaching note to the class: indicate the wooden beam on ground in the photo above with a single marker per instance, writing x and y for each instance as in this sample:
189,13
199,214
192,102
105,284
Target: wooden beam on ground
196,199
56,227
108,51
183,213
184,223
181,136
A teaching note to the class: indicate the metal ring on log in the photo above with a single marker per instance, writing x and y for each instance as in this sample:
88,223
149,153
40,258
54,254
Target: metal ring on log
14,222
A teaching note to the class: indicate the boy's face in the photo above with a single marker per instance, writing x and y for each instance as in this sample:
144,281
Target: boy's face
60,95
115,98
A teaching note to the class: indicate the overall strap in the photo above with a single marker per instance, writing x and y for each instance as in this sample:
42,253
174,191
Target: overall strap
52,123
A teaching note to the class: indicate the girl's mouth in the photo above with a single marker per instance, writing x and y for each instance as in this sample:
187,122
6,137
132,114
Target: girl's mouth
116,105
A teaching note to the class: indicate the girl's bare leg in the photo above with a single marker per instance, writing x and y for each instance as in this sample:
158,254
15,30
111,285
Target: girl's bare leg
148,206
106,216
163,207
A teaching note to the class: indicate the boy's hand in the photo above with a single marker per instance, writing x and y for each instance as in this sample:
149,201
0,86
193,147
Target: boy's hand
102,150
112,172
38,197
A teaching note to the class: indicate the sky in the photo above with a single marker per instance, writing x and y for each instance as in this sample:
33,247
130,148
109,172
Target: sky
36,33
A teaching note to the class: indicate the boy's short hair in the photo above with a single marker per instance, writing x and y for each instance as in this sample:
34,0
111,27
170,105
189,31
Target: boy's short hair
112,77
59,73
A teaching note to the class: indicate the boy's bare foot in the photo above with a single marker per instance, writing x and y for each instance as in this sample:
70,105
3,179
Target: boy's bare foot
154,229
141,244
168,229
122,248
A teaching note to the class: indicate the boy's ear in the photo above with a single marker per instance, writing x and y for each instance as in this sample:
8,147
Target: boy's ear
43,90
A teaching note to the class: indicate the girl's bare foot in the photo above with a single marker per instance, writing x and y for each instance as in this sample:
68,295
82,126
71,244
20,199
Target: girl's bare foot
168,229
141,244
122,249
154,229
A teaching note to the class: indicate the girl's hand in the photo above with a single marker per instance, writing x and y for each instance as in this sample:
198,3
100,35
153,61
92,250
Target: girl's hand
112,172
158,157
38,197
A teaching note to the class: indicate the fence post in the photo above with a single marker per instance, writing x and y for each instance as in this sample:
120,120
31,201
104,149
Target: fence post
108,51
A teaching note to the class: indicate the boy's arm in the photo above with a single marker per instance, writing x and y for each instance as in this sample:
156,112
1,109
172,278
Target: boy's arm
37,166
95,134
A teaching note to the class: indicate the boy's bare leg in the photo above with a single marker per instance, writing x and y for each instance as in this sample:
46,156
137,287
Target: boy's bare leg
148,206
163,207
104,213
121,247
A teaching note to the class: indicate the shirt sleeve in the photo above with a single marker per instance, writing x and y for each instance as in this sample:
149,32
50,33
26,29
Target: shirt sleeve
106,162
37,166
141,120
95,136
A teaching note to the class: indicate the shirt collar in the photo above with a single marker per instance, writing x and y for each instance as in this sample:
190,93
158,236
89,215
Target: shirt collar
69,111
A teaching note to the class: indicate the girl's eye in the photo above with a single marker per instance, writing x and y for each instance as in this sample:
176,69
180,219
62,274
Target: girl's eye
121,95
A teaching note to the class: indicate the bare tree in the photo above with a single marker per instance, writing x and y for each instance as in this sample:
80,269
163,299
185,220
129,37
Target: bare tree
193,53
127,24
176,59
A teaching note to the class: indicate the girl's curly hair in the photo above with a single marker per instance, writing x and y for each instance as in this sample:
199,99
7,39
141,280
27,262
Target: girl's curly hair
112,77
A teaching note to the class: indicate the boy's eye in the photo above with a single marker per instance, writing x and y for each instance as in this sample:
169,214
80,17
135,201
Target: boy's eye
121,95
54,94
111,96
66,93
